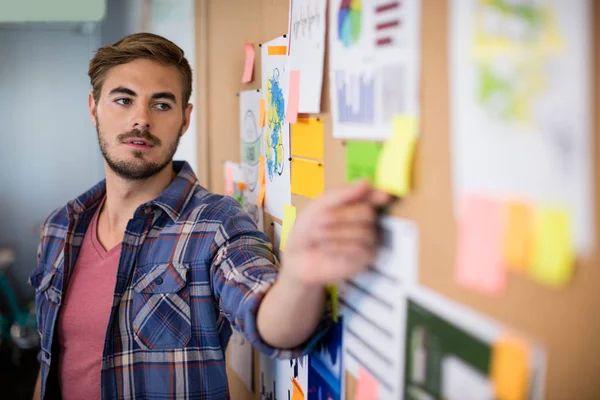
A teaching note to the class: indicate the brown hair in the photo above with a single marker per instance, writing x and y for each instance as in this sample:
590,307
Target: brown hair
135,46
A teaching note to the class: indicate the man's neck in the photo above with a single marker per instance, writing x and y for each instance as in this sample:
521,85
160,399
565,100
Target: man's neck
123,196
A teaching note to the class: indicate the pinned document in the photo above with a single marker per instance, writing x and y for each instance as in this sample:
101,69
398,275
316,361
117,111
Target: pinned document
510,368
249,63
553,256
289,217
394,167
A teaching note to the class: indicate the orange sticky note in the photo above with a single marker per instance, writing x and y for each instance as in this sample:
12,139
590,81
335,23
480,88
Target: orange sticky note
308,178
517,236
510,368
262,112
228,180
366,387
553,253
308,138
291,112
277,50
261,181
249,63
479,248
297,393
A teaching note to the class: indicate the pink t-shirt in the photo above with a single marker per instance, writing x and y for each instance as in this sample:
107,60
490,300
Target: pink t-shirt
84,317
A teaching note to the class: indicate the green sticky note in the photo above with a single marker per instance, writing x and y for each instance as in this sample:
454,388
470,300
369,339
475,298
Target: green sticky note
361,160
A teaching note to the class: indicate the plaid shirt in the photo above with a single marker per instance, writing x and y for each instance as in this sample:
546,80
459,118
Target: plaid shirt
193,266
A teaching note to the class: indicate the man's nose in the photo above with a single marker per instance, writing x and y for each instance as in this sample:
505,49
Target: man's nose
141,120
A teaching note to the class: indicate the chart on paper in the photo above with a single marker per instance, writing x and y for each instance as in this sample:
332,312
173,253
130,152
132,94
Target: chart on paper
374,309
374,67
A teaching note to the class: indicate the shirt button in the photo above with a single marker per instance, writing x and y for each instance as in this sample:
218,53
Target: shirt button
158,281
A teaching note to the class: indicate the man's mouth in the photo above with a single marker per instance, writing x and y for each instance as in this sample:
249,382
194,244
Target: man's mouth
139,143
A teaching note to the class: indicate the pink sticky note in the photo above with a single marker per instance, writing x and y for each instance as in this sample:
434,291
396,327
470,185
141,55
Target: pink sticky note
249,64
367,386
291,112
479,263
228,180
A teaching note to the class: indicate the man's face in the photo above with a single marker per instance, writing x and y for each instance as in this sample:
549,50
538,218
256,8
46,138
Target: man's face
139,117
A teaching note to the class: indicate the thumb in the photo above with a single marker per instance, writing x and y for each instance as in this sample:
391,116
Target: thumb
349,193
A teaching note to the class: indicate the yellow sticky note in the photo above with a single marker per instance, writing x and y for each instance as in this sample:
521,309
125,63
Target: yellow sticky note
308,138
332,290
308,178
289,217
367,386
510,368
517,236
553,255
262,112
394,167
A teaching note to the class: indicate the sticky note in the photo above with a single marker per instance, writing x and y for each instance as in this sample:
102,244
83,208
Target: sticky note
249,63
308,178
308,138
553,255
261,181
289,217
479,249
333,295
367,387
510,368
262,112
394,167
291,112
277,50
297,393
228,180
361,160
518,230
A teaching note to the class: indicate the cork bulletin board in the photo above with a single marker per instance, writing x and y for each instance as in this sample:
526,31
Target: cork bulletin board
563,320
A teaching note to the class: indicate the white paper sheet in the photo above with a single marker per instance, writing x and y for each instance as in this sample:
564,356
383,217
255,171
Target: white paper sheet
307,50
520,110
251,140
241,359
373,66
275,83
374,307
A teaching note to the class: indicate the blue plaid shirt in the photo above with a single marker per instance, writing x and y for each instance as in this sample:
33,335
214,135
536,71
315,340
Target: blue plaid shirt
193,266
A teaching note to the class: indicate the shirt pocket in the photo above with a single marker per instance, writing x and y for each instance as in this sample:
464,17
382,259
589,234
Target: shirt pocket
47,300
161,307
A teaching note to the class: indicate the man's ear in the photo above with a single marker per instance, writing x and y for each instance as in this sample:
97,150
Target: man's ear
187,115
92,109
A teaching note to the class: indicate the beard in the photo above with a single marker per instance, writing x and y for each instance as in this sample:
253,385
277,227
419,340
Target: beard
140,168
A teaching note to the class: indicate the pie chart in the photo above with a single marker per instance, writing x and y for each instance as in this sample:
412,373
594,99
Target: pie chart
349,17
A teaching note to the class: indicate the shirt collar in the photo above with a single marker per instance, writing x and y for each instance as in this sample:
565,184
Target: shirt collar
173,200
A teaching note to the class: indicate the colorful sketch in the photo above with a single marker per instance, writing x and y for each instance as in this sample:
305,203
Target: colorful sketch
349,22
325,367
512,44
275,121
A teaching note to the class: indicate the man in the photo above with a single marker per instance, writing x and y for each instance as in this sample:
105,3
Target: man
141,279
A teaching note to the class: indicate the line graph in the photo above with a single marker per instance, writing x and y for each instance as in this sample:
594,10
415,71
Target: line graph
305,18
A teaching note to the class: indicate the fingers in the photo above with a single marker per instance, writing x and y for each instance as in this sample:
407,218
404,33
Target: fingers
349,193
353,234
357,213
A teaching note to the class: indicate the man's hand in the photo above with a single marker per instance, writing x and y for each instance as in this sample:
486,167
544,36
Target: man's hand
334,238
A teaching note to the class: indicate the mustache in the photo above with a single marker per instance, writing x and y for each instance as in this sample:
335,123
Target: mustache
137,134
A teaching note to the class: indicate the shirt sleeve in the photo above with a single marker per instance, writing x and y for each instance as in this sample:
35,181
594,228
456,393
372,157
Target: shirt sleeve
243,270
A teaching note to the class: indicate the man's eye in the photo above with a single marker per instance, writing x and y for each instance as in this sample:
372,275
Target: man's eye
163,106
123,102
